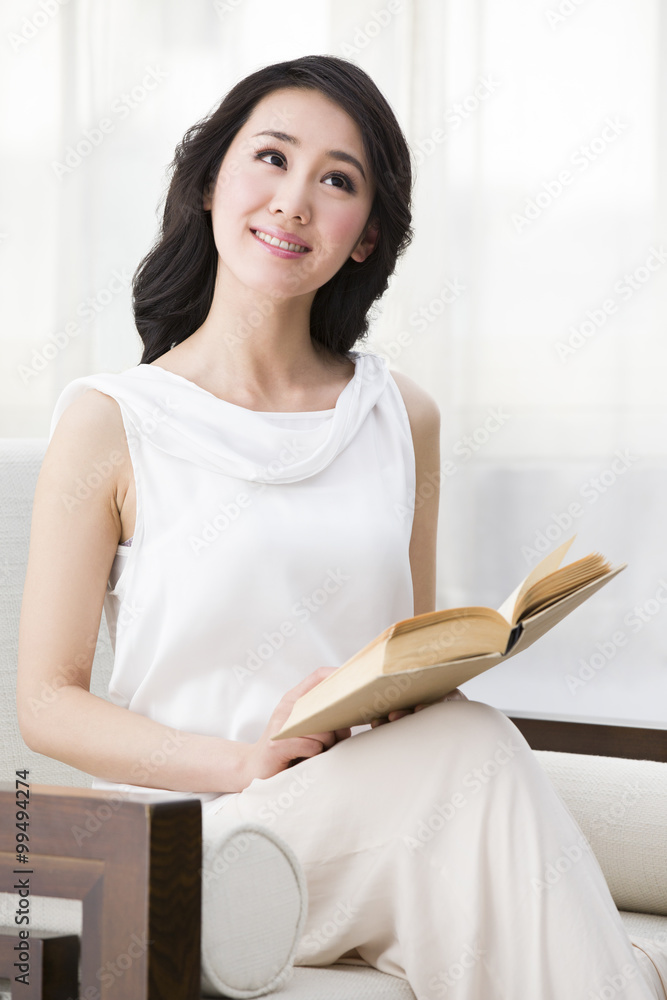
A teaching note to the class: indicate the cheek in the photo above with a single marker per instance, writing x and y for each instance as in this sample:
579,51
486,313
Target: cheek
344,229
236,193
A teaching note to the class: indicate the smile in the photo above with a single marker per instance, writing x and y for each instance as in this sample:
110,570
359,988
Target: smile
281,244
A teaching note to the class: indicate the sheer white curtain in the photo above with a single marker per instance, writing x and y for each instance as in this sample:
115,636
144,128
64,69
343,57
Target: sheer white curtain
542,201
529,303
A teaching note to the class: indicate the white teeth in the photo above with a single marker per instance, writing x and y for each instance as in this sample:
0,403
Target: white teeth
283,244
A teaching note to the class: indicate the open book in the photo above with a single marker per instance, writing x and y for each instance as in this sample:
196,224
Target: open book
423,658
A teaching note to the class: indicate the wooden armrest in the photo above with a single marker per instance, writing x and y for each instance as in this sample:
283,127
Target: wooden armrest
47,969
601,739
135,863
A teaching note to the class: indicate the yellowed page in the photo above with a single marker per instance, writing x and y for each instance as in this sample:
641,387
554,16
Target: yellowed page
536,626
460,632
545,566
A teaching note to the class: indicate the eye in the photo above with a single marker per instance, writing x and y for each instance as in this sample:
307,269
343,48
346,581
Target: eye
269,152
346,185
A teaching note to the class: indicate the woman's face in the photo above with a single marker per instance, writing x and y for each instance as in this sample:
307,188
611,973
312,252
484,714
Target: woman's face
307,183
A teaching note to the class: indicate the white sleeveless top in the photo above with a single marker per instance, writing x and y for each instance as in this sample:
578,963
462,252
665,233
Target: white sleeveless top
265,546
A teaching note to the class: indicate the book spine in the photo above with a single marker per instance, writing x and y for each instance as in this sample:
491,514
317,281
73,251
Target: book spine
514,638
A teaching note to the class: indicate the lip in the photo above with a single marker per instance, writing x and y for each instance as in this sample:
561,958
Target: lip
280,234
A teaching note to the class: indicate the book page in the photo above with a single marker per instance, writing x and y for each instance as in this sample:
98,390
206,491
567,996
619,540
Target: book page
545,566
558,584
535,627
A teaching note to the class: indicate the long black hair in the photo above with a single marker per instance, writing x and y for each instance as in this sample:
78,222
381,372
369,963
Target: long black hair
174,283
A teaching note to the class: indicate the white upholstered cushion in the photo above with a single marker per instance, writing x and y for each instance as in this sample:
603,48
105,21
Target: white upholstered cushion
254,907
621,807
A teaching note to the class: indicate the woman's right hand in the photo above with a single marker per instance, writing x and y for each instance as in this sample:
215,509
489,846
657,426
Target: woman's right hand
267,756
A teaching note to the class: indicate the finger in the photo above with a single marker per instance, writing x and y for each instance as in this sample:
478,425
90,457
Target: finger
326,739
398,714
342,734
457,696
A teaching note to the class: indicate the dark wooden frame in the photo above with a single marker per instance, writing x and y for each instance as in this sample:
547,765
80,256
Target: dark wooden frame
598,738
136,863
53,961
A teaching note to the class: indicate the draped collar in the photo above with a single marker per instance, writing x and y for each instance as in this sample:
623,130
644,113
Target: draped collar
183,419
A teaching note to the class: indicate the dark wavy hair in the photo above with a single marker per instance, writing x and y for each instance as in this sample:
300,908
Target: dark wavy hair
174,283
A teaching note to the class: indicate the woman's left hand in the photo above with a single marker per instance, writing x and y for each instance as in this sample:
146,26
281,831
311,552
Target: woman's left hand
456,695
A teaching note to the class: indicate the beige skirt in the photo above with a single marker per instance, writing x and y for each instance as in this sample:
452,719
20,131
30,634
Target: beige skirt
433,849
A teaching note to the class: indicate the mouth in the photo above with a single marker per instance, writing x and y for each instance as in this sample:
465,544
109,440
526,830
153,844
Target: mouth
285,245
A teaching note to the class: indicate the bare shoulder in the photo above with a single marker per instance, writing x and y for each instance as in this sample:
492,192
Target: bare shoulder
423,411
94,414
89,433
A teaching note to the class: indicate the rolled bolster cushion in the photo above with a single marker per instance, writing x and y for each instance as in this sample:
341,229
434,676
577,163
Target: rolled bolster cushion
254,907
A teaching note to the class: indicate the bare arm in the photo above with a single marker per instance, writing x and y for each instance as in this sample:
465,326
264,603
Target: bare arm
72,547
424,417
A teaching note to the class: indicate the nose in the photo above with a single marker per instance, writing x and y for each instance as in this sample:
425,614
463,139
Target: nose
291,199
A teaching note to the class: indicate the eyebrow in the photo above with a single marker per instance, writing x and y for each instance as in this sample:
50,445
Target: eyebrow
337,154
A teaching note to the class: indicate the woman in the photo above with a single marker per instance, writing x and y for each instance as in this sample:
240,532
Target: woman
243,491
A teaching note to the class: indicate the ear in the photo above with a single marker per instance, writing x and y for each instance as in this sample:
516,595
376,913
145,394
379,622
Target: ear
206,198
367,242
